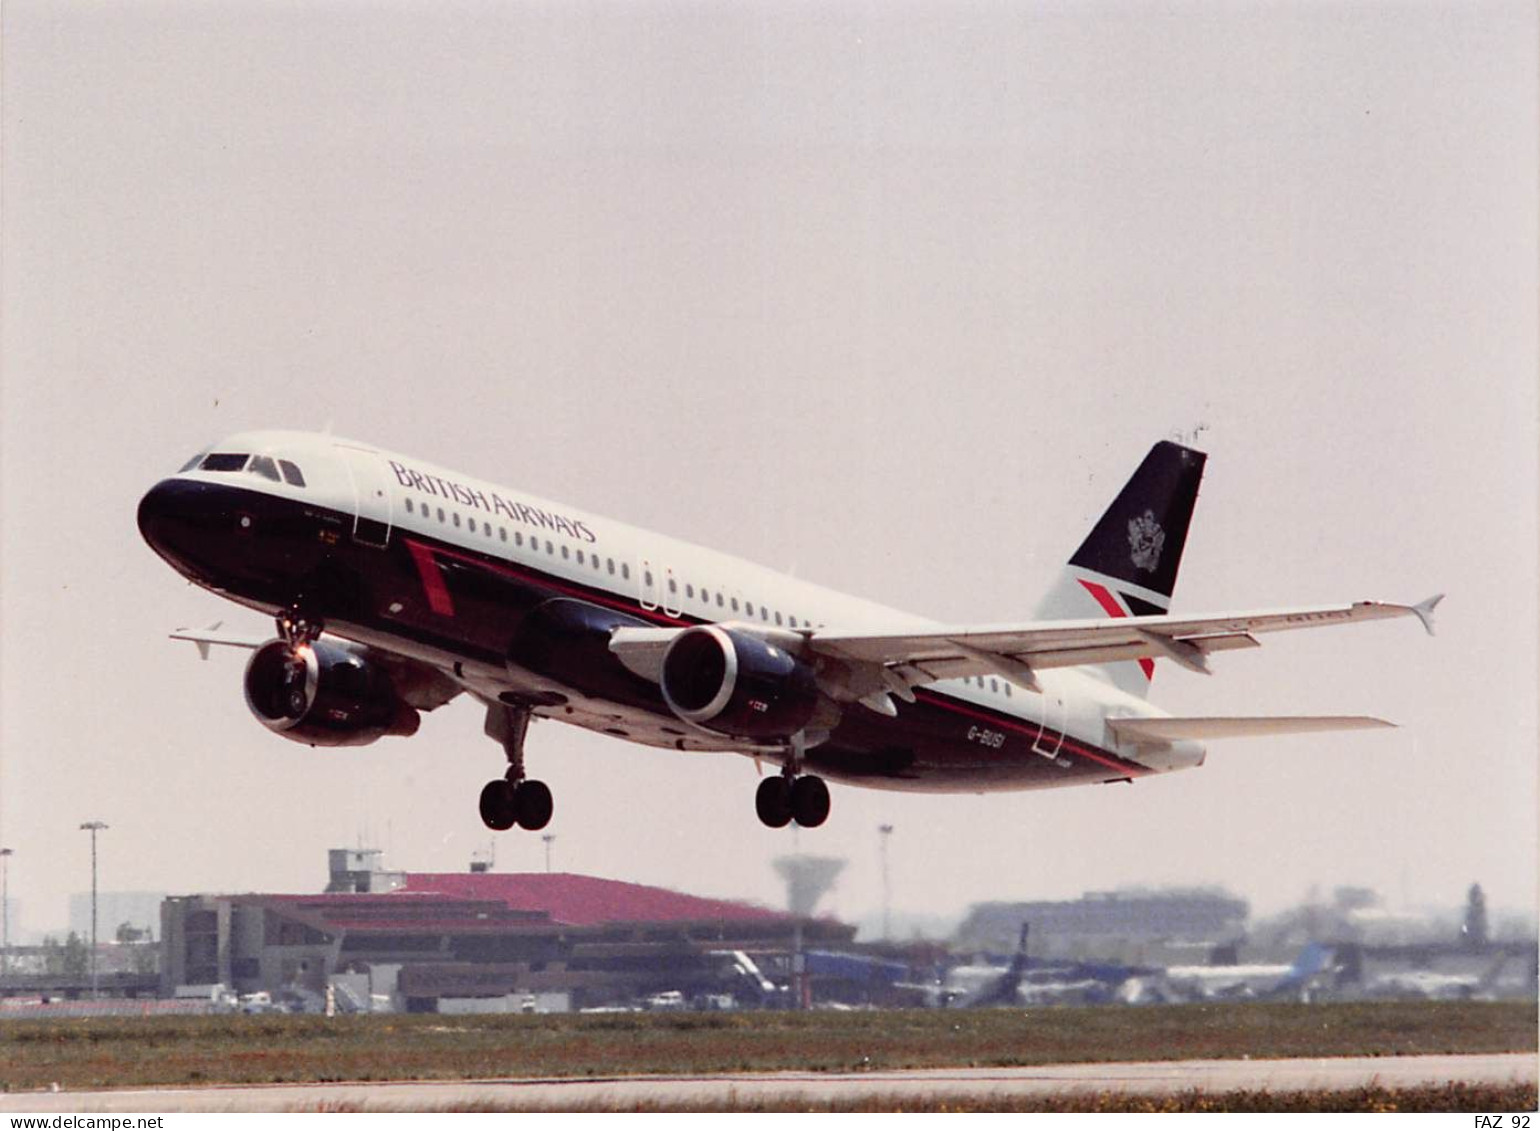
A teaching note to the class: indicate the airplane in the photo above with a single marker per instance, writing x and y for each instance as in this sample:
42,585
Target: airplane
1429,984
992,985
396,586
1255,980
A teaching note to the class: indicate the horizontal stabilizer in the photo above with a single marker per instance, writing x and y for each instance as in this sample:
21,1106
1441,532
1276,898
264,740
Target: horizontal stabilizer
1176,729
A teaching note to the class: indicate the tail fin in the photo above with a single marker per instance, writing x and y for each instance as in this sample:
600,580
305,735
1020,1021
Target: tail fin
1128,563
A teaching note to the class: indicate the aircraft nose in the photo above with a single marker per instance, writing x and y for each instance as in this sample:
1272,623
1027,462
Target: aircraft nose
175,515
157,513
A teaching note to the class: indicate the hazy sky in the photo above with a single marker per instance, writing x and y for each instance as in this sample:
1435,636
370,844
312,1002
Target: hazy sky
894,294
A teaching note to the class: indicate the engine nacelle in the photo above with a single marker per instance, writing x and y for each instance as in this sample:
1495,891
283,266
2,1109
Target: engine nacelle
737,684
324,694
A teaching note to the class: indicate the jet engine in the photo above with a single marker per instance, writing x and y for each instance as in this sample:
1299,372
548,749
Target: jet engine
737,684
324,694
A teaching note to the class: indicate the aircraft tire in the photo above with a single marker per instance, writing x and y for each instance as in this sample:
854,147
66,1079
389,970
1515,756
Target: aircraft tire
497,805
772,801
810,801
533,804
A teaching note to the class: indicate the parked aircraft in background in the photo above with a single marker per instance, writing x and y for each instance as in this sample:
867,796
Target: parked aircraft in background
396,586
1417,984
1252,981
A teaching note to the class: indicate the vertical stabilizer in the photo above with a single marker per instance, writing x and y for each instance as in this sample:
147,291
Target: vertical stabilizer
1127,565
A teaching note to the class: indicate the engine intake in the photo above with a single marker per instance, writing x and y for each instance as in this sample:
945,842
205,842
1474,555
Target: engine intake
737,684
324,694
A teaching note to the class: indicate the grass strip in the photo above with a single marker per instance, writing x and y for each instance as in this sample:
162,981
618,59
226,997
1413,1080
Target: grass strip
119,1052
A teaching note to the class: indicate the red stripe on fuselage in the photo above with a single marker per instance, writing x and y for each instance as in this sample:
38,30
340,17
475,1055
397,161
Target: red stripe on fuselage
1110,606
433,586
1073,745
545,580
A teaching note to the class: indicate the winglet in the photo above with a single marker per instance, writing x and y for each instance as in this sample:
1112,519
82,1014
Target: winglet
1424,611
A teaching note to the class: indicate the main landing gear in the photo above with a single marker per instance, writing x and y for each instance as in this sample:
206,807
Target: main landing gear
513,799
792,795
783,799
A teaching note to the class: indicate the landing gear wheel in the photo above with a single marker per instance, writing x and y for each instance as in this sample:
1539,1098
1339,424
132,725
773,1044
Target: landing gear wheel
772,801
532,804
809,801
497,805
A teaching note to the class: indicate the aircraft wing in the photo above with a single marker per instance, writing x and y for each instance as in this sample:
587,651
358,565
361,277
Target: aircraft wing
217,634
1016,652
877,665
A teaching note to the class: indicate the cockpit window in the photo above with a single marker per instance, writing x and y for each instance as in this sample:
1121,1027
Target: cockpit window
265,467
224,461
291,473
192,463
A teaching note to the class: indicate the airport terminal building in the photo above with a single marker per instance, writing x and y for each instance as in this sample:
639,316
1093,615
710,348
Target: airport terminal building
1128,925
481,940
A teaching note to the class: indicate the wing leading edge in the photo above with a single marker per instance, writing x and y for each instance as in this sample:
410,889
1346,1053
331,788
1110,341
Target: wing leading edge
1017,651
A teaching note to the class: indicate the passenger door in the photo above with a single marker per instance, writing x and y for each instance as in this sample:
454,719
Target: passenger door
373,504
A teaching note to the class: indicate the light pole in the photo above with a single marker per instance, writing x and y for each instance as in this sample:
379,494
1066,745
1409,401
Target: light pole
886,831
549,838
94,827
5,911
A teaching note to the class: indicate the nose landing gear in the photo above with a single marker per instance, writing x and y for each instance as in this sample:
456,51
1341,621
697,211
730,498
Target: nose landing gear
513,799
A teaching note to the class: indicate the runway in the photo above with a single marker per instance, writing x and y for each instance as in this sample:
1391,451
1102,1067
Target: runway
1157,1077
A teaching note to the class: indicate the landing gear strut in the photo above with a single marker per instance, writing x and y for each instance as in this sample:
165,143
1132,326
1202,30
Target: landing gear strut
792,795
297,626
513,799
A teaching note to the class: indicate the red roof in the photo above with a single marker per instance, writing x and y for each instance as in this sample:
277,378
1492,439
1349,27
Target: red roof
584,901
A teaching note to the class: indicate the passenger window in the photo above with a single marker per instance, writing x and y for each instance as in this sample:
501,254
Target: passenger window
994,686
224,461
719,600
647,577
487,529
564,554
518,538
502,533
673,586
456,518
265,467
550,549
735,604
291,473
611,562
441,514
1007,691
748,609
689,591
409,506
777,618
625,571
580,557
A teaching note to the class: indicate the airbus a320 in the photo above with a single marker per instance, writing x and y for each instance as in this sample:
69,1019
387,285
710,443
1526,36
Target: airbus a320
396,586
